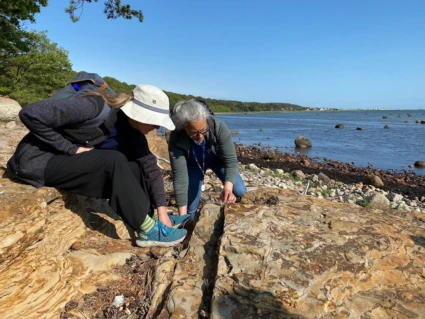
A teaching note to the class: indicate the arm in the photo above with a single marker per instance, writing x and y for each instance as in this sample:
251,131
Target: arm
45,118
228,155
179,172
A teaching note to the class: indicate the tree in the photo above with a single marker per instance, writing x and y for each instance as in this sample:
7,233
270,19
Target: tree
13,38
36,74
113,9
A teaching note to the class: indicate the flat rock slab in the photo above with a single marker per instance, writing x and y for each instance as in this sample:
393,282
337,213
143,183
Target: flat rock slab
299,257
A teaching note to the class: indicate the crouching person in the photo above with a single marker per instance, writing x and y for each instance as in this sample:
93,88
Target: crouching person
201,141
95,145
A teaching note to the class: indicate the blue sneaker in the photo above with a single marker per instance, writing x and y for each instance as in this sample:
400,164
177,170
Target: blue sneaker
176,221
161,235
179,221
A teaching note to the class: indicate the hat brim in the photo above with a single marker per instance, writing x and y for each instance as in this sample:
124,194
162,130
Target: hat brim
146,116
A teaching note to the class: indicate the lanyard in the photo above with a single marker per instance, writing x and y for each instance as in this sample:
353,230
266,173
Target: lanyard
203,159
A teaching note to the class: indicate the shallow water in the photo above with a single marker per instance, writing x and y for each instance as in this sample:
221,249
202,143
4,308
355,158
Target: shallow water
395,148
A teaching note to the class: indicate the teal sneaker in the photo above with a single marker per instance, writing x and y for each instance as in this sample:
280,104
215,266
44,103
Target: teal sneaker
176,221
161,235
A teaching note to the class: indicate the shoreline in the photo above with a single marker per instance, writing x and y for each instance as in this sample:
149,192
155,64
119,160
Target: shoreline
406,183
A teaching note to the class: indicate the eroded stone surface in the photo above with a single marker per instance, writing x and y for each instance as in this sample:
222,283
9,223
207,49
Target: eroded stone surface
311,258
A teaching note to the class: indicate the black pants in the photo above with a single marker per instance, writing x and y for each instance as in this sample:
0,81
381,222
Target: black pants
103,174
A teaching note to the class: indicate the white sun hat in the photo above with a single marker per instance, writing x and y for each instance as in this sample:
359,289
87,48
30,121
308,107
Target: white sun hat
150,106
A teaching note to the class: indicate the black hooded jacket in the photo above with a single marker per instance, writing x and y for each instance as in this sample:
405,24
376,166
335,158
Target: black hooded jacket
58,127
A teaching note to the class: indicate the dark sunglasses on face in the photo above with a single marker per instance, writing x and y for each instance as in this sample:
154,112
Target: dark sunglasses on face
203,132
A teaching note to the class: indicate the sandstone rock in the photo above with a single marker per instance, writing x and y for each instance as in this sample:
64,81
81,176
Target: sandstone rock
9,109
307,258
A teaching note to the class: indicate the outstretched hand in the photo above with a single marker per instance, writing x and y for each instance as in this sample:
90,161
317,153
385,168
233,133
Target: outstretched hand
227,194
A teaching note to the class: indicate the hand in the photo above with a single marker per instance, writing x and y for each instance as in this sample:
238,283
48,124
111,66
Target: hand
82,149
163,216
227,194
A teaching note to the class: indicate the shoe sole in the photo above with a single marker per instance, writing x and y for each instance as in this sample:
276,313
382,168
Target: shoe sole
145,244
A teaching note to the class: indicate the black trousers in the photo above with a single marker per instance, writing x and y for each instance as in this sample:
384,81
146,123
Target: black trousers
103,174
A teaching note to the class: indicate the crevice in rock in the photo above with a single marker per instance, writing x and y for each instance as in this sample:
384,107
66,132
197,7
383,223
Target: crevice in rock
210,271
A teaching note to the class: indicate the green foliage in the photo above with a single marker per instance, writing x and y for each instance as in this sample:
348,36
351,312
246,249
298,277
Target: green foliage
117,86
113,9
364,203
13,38
34,75
220,109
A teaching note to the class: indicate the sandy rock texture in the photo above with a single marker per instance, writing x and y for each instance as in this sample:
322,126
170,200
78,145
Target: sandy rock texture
293,255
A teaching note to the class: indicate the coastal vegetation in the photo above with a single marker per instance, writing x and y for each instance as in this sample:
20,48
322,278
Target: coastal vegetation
32,67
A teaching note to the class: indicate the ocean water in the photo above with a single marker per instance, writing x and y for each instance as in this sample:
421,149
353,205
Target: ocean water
390,149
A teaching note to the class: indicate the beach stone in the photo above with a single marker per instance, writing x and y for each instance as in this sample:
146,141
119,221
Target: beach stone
10,125
253,167
302,142
360,128
396,198
339,126
420,164
387,126
298,173
379,201
322,177
279,171
374,181
9,109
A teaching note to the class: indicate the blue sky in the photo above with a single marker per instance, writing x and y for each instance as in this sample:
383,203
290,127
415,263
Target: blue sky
343,54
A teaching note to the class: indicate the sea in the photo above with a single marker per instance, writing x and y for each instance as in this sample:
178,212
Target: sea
394,148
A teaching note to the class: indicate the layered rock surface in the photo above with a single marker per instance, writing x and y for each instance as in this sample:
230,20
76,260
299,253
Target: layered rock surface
276,254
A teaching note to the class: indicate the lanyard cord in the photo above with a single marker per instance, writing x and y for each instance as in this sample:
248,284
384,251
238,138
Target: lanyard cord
203,159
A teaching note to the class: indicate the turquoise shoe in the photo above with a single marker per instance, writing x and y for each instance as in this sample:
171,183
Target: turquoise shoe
161,236
176,221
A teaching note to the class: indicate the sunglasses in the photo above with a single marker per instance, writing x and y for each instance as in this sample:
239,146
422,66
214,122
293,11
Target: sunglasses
203,132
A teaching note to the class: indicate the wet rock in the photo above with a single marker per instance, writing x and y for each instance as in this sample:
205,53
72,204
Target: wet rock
420,164
339,126
302,142
360,128
387,126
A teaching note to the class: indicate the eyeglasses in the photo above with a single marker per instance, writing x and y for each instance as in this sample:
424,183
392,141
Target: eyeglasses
203,132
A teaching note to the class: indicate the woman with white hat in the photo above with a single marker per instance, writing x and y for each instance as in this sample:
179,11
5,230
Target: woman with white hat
95,145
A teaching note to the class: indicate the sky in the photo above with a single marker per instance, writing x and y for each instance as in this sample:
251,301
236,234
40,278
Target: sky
333,54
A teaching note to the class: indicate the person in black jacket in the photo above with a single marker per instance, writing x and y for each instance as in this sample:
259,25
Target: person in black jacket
95,145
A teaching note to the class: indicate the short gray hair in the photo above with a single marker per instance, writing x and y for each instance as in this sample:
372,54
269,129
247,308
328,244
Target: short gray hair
185,112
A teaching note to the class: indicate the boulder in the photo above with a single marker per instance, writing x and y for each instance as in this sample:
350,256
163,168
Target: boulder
339,126
360,128
420,164
302,142
374,181
9,109
387,126
379,201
